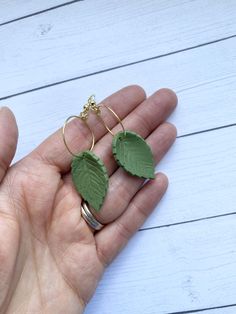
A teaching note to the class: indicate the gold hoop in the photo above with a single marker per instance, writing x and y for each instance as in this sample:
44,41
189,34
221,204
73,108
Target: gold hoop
115,115
64,137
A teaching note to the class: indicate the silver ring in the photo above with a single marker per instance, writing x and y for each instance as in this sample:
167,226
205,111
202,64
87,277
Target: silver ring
89,218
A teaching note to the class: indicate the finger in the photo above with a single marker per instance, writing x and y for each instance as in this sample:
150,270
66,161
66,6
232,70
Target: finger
143,120
115,235
122,186
8,139
53,152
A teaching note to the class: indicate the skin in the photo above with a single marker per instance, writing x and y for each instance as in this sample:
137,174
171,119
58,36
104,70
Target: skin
50,260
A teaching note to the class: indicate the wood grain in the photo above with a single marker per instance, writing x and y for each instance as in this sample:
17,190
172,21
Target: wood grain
15,9
185,267
91,36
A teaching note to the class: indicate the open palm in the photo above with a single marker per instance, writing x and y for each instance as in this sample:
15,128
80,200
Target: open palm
50,259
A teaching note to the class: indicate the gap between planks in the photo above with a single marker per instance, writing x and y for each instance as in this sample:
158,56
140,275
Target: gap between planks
201,91
186,222
206,309
52,40
117,67
166,269
39,12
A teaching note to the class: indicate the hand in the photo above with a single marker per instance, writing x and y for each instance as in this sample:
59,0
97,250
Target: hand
50,260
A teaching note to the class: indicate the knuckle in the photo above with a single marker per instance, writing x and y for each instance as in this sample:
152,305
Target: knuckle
123,230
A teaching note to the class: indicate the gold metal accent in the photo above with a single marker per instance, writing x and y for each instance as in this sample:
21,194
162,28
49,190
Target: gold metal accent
116,116
64,129
91,105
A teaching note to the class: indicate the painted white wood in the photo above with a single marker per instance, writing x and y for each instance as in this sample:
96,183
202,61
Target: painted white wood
202,172
165,270
229,310
207,93
13,9
90,36
169,269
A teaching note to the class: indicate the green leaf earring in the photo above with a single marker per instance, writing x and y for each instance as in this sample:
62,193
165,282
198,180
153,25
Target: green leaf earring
130,150
88,171
133,154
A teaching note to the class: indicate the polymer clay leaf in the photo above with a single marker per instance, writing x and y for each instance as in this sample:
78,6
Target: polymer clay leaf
90,178
133,154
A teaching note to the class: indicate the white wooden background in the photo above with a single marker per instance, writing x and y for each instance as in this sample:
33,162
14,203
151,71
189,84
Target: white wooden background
53,54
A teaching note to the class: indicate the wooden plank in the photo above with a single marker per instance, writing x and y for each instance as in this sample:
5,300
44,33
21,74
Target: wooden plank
91,36
185,267
15,9
207,93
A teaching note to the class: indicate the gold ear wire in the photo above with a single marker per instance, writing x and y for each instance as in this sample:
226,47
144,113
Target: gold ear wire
90,105
114,114
64,129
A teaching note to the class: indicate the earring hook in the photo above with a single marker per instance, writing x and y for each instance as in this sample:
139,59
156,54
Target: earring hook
114,114
90,105
64,129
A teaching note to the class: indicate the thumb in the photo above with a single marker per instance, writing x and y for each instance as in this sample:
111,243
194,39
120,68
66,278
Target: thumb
8,139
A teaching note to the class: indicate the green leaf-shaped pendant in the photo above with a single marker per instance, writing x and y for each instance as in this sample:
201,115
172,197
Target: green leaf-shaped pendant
133,154
90,178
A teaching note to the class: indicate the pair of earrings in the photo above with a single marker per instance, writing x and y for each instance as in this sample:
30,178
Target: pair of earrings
129,149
